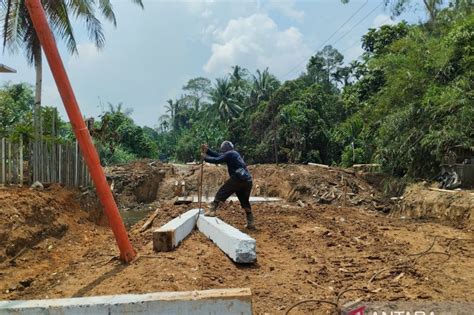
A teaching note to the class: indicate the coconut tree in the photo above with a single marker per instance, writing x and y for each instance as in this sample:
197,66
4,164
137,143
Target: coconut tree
224,100
264,84
120,109
18,32
171,108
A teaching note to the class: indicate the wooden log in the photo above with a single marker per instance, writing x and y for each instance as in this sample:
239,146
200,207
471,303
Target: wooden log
150,220
318,165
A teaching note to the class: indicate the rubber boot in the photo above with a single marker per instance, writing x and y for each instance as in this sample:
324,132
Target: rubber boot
250,220
211,212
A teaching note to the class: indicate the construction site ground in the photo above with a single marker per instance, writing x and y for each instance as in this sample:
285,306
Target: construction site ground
55,243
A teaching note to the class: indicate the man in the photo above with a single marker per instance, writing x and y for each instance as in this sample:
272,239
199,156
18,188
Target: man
240,181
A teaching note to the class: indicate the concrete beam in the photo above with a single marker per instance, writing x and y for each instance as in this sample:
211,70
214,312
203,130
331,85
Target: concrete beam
223,301
168,237
240,247
256,199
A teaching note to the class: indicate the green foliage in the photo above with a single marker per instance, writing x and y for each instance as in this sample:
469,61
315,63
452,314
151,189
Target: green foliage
423,107
117,131
405,104
16,102
120,155
377,41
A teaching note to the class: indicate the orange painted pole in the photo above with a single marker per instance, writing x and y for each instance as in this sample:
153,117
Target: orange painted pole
38,16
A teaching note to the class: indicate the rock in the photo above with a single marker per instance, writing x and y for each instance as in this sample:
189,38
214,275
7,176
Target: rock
37,186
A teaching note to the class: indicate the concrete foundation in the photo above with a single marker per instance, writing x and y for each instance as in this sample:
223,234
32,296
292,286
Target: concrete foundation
240,247
168,237
224,301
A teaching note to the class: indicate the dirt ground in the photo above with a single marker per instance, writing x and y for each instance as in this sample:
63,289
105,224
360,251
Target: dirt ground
310,252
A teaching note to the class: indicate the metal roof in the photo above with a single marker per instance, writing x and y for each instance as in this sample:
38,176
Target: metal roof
4,68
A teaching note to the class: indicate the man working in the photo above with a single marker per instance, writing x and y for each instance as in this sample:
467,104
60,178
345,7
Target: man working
240,181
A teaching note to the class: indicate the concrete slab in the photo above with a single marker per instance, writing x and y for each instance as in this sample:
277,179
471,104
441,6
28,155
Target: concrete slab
168,237
194,199
240,247
223,301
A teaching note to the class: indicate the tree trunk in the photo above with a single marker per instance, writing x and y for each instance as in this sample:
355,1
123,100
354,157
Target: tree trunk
430,6
37,112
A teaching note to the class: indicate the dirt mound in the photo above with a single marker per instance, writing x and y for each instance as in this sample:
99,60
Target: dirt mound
137,182
40,231
27,217
293,182
449,207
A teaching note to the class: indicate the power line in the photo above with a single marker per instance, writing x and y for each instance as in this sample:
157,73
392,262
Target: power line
357,44
328,39
359,22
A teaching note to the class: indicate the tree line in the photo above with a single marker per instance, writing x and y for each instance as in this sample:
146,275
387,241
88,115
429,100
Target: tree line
404,104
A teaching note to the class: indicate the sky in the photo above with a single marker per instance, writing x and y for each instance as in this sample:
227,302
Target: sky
153,52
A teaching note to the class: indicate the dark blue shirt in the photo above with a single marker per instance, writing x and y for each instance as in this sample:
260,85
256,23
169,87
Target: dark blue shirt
232,158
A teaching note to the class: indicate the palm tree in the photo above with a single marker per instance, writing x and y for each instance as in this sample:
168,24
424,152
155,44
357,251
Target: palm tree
164,123
224,100
18,31
119,108
171,108
264,84
238,76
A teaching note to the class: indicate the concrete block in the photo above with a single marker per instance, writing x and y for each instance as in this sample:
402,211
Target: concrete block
240,247
168,237
223,301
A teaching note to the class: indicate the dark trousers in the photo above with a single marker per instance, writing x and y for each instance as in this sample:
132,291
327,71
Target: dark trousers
233,185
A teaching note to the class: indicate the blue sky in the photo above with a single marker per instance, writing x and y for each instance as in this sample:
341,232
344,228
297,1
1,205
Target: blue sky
152,53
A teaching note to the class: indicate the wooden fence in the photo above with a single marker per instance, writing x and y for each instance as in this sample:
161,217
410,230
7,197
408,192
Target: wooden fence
56,163
11,162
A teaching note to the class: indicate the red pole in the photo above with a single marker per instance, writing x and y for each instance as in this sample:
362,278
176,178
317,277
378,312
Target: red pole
38,16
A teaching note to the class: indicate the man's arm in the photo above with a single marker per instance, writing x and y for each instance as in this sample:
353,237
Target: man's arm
216,159
212,153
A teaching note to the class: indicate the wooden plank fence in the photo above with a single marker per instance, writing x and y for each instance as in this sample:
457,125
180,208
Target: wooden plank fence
11,162
56,163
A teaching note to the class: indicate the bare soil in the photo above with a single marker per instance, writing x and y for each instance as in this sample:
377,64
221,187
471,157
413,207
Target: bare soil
421,202
310,252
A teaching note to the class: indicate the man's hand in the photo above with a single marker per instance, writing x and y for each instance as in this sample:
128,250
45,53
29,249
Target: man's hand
204,148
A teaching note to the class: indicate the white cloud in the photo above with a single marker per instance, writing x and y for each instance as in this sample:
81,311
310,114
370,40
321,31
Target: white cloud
382,19
200,7
287,8
86,53
255,42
